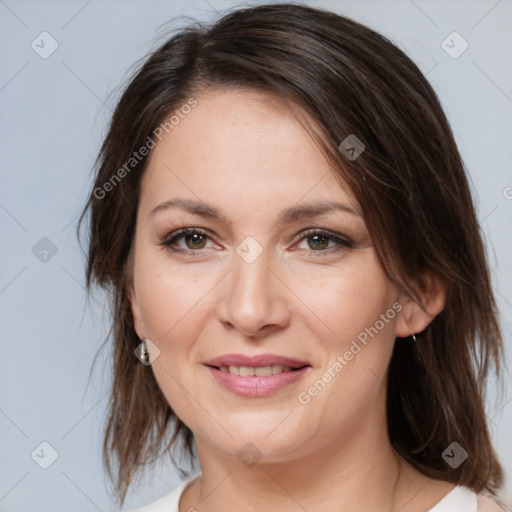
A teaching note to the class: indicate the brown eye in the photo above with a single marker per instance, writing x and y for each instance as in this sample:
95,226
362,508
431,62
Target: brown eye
197,241
319,242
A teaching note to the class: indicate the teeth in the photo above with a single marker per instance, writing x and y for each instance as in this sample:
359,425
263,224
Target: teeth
258,371
246,371
263,371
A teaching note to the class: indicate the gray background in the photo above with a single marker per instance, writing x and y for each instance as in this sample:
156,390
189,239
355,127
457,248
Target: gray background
54,115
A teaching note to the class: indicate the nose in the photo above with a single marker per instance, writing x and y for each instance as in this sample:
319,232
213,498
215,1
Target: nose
254,300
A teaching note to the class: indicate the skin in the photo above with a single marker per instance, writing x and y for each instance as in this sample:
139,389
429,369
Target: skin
247,155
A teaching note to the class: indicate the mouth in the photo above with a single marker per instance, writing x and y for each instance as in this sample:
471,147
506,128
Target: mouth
258,371
256,376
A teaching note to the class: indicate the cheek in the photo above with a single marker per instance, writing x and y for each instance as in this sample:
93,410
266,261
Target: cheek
360,305
348,299
357,305
173,304
170,298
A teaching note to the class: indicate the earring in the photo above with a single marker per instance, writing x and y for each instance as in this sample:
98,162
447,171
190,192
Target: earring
144,353
413,336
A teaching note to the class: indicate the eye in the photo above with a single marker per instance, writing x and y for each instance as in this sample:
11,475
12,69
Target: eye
318,242
194,239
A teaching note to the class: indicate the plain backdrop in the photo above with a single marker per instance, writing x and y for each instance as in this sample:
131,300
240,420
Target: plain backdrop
54,112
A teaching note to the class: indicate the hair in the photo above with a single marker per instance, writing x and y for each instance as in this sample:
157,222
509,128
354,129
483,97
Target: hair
410,182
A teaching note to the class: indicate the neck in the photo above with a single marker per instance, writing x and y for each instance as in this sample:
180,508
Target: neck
362,473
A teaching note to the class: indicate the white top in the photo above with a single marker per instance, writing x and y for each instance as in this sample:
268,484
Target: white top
459,499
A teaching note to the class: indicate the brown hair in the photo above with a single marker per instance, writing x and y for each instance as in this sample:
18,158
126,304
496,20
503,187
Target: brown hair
410,182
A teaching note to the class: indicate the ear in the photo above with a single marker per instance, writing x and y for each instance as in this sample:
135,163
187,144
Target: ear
420,305
136,314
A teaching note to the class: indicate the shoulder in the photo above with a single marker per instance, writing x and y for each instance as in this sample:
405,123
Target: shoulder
169,502
463,499
488,505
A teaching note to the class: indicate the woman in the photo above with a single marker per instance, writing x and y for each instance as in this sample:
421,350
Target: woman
283,219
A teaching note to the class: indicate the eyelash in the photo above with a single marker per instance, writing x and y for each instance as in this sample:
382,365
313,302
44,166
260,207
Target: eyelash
343,243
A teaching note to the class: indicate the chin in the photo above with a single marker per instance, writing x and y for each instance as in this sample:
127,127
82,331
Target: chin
265,437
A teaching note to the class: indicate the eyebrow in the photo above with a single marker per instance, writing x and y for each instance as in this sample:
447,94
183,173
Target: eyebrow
287,216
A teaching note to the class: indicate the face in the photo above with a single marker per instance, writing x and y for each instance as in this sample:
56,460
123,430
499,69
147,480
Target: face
266,277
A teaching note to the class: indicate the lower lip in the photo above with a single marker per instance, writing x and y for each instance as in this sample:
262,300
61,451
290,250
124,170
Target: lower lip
257,386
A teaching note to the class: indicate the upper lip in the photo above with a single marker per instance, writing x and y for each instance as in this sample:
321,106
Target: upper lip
257,360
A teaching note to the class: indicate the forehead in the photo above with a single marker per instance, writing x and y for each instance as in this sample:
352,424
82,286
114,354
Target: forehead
240,147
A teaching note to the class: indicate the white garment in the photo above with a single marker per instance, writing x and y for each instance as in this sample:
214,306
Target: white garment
459,499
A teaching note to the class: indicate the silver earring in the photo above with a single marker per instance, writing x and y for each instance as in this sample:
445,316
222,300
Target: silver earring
412,333
144,353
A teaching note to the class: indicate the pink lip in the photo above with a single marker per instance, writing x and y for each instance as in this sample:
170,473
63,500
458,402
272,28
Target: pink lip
259,360
257,386
254,386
